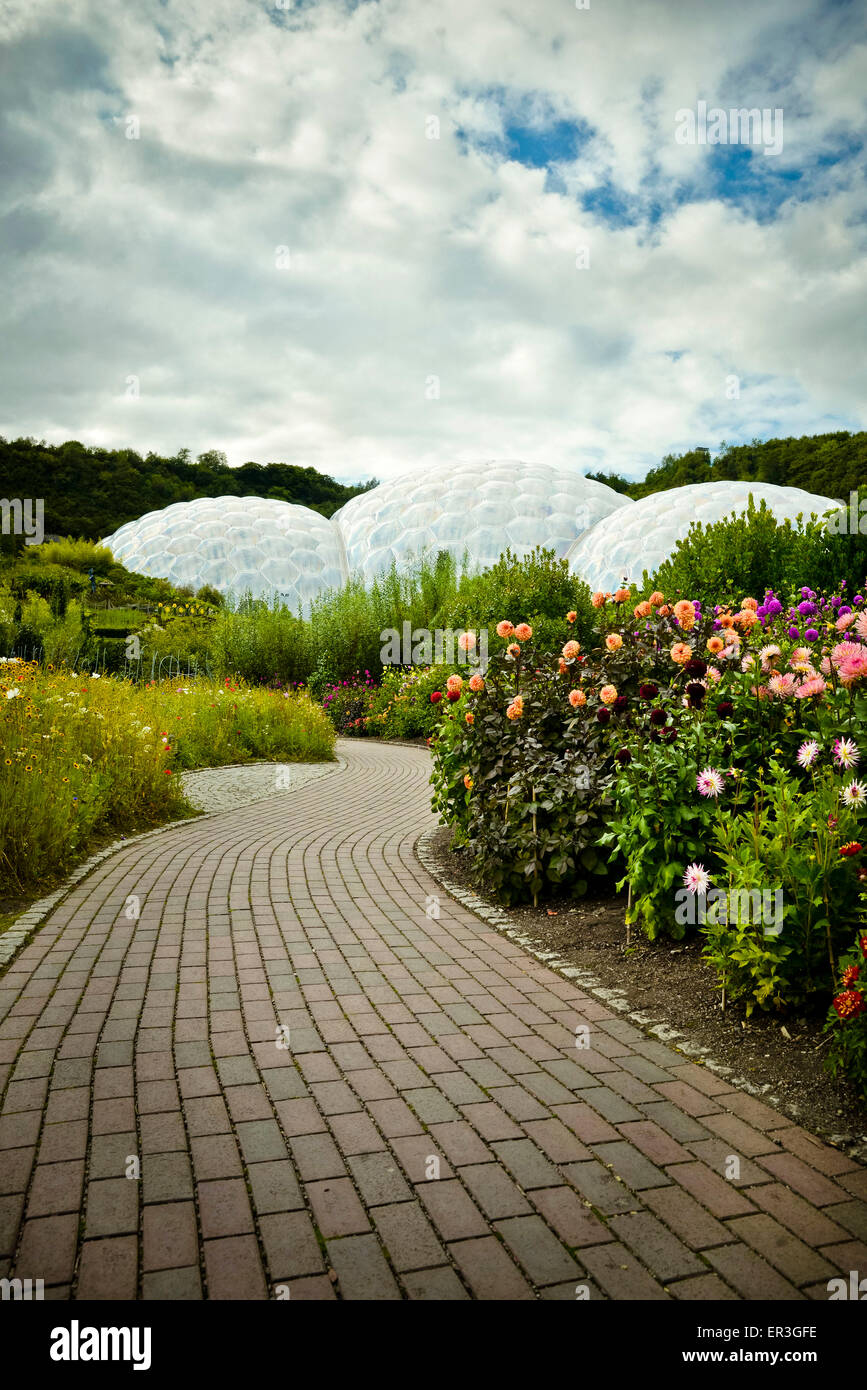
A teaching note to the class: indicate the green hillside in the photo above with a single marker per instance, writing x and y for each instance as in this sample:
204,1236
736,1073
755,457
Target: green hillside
831,465
90,492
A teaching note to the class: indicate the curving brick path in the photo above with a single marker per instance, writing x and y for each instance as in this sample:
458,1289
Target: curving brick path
150,1046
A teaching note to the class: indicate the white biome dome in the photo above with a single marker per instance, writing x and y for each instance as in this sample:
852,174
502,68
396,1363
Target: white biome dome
236,544
640,538
480,509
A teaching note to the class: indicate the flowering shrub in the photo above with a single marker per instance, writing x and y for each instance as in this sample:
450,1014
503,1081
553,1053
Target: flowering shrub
847,1017
718,742
519,771
403,707
349,703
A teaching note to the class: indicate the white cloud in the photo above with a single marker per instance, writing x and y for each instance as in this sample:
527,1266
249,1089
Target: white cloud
412,257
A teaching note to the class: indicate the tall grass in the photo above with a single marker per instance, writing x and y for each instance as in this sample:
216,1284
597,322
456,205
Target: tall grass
342,634
82,756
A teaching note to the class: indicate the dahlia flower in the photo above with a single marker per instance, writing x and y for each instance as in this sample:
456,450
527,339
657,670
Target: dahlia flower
523,632
846,752
614,641
505,628
813,685
455,683
571,650
768,655
808,752
516,708
855,793
477,683
696,878
681,653
608,694
710,782
849,1004
577,698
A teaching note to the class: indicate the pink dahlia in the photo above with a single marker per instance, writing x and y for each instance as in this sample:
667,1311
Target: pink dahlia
813,685
696,878
710,782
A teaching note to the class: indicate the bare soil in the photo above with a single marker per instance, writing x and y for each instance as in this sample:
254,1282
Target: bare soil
671,983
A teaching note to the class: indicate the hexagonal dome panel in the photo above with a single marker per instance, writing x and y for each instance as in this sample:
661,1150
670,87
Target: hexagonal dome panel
644,535
236,544
480,508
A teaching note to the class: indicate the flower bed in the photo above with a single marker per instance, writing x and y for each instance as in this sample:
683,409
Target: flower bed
710,754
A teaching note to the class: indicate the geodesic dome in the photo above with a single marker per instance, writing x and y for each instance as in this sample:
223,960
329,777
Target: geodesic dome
477,508
645,534
235,543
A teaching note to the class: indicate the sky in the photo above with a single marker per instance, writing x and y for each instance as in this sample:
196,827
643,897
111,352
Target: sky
374,236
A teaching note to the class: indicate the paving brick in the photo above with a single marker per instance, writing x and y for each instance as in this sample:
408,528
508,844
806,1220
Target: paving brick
570,1217
852,1215
394,1118
356,1134
453,1212
601,1188
635,1170
56,1188
166,1177
541,1255
663,1254
488,1270
780,1248
527,1164
619,1274
112,1207
234,1269
584,1122
555,1140
440,1285
47,1249
822,1157
494,1191
751,1276
658,1146
11,1209
173,1285
721,1198
291,1248
362,1269
792,1171
224,1208
215,1156
317,1156
336,1208
740,1137
378,1179
703,1288
408,1236
108,1269
686,1217
792,1211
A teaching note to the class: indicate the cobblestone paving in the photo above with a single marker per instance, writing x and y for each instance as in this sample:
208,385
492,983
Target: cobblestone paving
416,1045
